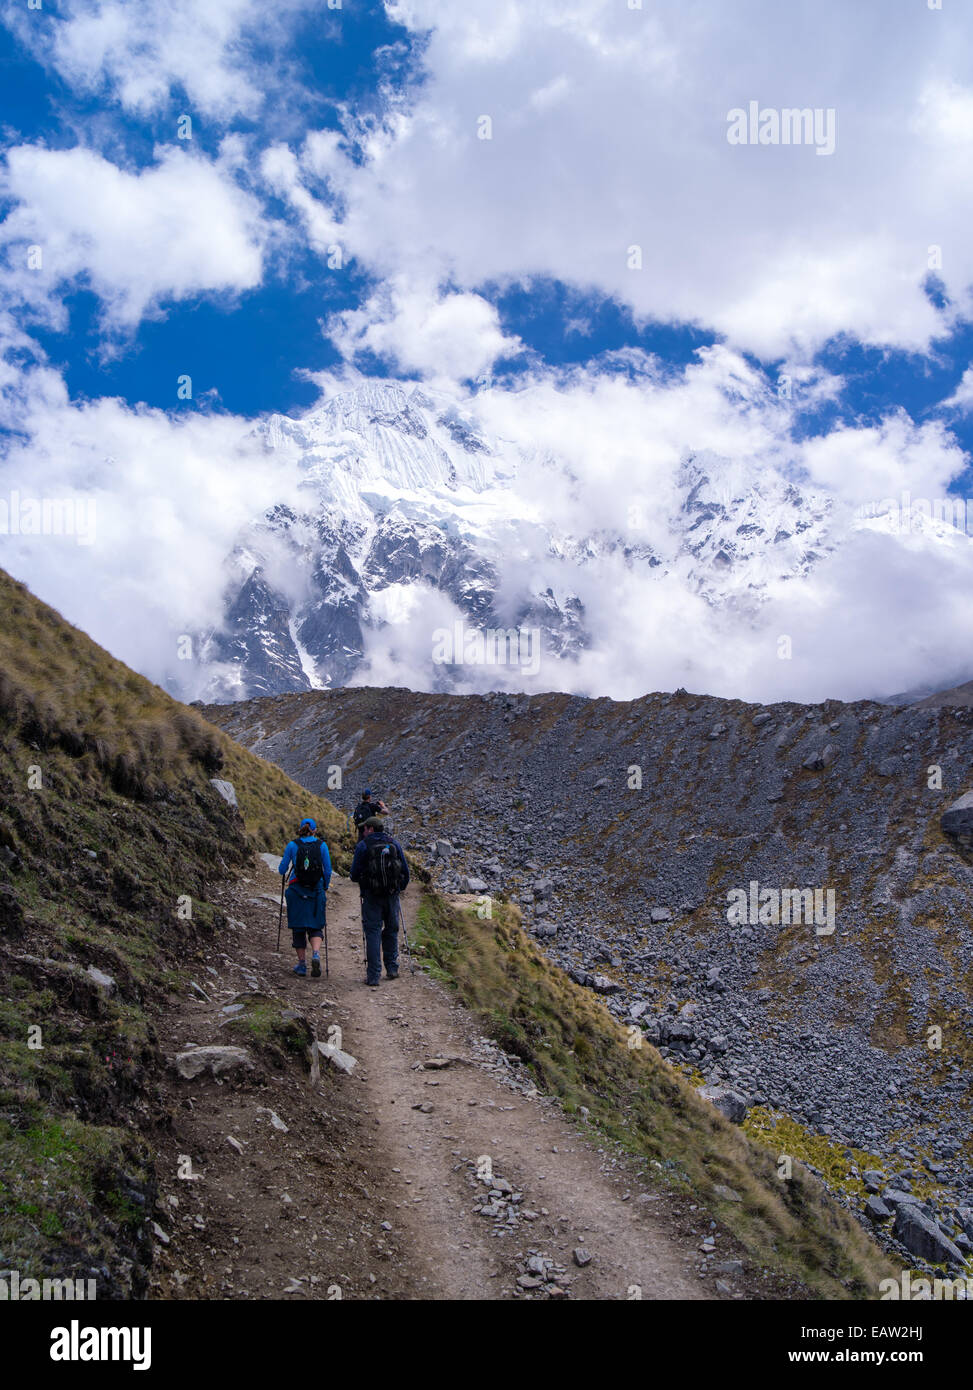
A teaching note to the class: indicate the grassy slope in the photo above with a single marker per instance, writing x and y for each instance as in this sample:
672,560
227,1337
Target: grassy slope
576,1050
107,821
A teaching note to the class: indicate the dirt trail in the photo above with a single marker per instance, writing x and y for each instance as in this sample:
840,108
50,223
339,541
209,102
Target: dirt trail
381,1196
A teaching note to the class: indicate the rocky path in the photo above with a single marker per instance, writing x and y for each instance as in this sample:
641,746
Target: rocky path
428,1172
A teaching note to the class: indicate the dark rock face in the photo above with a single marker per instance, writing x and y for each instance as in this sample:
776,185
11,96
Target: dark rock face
11,912
257,641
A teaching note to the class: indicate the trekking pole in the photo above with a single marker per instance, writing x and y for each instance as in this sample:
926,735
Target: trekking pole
326,972
280,916
408,948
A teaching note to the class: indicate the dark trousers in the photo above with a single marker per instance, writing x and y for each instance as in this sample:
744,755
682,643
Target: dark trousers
380,923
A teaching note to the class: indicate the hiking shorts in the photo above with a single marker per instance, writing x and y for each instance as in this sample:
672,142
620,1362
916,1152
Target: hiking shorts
299,939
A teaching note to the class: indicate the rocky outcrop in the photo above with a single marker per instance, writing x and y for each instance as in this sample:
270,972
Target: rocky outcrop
923,1237
958,819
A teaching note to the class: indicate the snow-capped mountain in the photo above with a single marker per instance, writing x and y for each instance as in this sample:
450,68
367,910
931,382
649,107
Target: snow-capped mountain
401,515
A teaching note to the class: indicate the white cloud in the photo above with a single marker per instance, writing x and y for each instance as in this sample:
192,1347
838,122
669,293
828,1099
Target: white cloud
863,465
609,131
962,397
141,52
281,171
179,228
169,494
442,335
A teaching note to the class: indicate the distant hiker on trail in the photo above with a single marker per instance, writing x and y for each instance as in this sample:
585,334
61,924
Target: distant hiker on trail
381,871
367,807
306,868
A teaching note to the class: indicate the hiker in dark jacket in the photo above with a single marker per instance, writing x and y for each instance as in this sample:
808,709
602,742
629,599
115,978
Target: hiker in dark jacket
366,808
306,867
379,906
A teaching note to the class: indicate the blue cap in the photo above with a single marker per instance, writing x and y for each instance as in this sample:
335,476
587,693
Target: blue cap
367,791
307,821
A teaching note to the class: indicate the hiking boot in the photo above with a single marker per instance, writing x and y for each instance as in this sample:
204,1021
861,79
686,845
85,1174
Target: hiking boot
392,974
300,968
315,967
373,984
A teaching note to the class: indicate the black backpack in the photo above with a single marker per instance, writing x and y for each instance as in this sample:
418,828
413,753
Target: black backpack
308,866
363,811
383,873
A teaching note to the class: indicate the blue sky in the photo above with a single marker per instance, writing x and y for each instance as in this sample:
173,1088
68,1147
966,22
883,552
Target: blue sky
244,350
509,200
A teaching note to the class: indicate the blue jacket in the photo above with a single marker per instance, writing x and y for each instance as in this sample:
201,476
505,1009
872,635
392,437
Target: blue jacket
361,849
290,858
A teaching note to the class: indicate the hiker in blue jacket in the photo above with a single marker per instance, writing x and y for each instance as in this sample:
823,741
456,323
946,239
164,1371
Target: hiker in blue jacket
306,867
381,870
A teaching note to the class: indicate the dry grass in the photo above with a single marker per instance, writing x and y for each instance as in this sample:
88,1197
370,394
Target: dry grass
64,692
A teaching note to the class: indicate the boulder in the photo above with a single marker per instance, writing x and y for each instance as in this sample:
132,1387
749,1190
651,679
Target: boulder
681,1030
226,790
11,912
105,983
216,1060
958,818
728,1102
922,1236
816,762
601,984
343,1061
898,1197
876,1210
